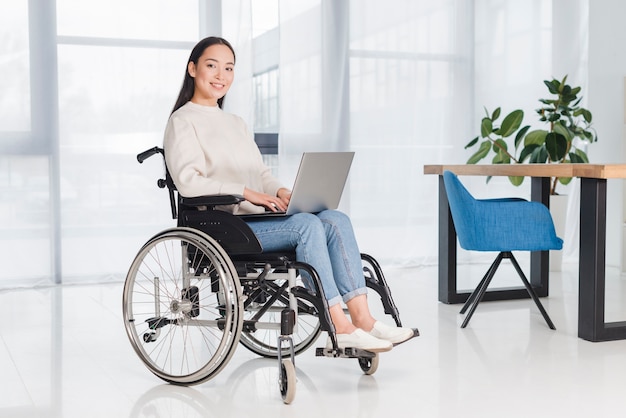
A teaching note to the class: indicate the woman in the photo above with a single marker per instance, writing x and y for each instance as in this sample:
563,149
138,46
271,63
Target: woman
209,151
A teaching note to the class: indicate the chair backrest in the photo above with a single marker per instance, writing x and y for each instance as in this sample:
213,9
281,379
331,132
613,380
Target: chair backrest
462,206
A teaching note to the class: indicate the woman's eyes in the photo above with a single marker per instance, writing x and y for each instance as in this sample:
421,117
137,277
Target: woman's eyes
213,66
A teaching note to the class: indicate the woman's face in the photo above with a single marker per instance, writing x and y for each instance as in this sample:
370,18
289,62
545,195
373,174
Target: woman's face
213,74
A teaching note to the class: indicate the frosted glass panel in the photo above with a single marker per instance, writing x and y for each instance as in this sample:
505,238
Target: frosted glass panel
137,19
14,67
24,219
111,109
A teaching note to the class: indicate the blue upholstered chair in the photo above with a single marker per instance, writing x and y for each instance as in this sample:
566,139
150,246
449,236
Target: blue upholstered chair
502,225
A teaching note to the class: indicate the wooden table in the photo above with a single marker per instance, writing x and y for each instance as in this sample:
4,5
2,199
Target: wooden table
592,254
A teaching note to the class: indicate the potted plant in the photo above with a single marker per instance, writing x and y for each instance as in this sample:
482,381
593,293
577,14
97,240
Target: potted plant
569,125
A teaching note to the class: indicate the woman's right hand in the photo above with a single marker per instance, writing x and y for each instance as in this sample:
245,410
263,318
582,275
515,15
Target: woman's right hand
273,203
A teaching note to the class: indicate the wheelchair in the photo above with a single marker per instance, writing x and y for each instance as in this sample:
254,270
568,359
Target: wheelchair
196,291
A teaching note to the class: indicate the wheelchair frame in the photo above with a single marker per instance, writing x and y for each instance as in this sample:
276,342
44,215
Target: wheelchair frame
194,291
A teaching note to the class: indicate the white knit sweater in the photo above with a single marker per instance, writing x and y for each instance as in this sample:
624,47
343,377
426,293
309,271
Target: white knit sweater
209,151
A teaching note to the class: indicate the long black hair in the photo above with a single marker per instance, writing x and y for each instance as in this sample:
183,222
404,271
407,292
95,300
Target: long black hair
188,87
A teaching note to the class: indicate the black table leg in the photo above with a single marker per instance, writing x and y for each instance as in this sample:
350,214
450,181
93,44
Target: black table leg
592,260
540,260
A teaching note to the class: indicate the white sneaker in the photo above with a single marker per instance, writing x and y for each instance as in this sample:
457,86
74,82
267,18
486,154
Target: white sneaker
394,335
362,340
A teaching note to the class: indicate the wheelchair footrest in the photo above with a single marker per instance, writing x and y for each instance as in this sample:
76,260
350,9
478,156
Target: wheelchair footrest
347,352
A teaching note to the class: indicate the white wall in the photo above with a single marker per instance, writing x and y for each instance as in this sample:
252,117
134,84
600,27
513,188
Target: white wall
607,68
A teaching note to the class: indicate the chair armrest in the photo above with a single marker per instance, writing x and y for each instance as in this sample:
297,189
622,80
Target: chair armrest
510,225
211,200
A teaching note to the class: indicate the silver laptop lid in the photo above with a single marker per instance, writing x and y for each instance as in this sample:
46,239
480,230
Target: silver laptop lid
320,181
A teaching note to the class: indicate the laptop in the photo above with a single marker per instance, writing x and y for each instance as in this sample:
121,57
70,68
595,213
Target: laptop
319,183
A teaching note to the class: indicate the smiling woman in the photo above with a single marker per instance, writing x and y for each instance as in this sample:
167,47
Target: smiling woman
209,73
213,74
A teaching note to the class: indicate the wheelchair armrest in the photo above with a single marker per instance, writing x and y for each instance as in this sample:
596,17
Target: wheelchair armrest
231,232
211,200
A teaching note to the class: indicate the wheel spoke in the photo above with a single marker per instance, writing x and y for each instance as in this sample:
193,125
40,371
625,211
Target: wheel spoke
170,322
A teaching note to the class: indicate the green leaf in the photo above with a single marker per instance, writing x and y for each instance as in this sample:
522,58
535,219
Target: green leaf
553,86
481,153
527,152
560,129
520,135
516,180
537,137
556,144
539,155
579,156
499,145
586,115
554,117
471,143
590,136
567,91
496,114
501,158
565,180
500,148
511,123
486,127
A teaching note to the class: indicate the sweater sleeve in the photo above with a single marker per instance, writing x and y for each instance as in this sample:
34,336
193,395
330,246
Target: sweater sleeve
186,163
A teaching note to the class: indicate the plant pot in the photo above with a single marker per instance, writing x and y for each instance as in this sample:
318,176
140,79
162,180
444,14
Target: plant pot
558,210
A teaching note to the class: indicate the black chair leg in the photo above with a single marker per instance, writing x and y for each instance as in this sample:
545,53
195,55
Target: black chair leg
481,289
490,271
531,291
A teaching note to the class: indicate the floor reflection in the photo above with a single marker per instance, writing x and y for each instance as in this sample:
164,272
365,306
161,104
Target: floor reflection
169,400
64,353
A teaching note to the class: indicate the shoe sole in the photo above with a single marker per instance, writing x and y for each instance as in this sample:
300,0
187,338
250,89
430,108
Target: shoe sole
416,333
378,350
371,350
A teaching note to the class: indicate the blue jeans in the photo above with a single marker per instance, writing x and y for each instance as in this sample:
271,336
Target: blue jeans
326,241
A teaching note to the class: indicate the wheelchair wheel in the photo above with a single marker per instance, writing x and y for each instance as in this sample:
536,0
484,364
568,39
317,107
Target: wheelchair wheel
264,341
182,306
287,381
369,365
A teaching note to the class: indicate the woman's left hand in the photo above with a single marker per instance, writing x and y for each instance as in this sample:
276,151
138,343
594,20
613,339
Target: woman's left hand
284,195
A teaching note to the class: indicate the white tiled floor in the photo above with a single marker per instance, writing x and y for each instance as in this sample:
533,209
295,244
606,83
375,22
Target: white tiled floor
64,353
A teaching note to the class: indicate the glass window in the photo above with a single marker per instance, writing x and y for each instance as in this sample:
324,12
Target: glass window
15,68
24,218
119,68
163,20
264,16
266,102
111,200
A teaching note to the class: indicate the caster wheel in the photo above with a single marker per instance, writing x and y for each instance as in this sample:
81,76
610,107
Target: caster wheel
287,381
369,365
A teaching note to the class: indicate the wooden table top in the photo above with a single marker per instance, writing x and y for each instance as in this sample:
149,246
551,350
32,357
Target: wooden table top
598,171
